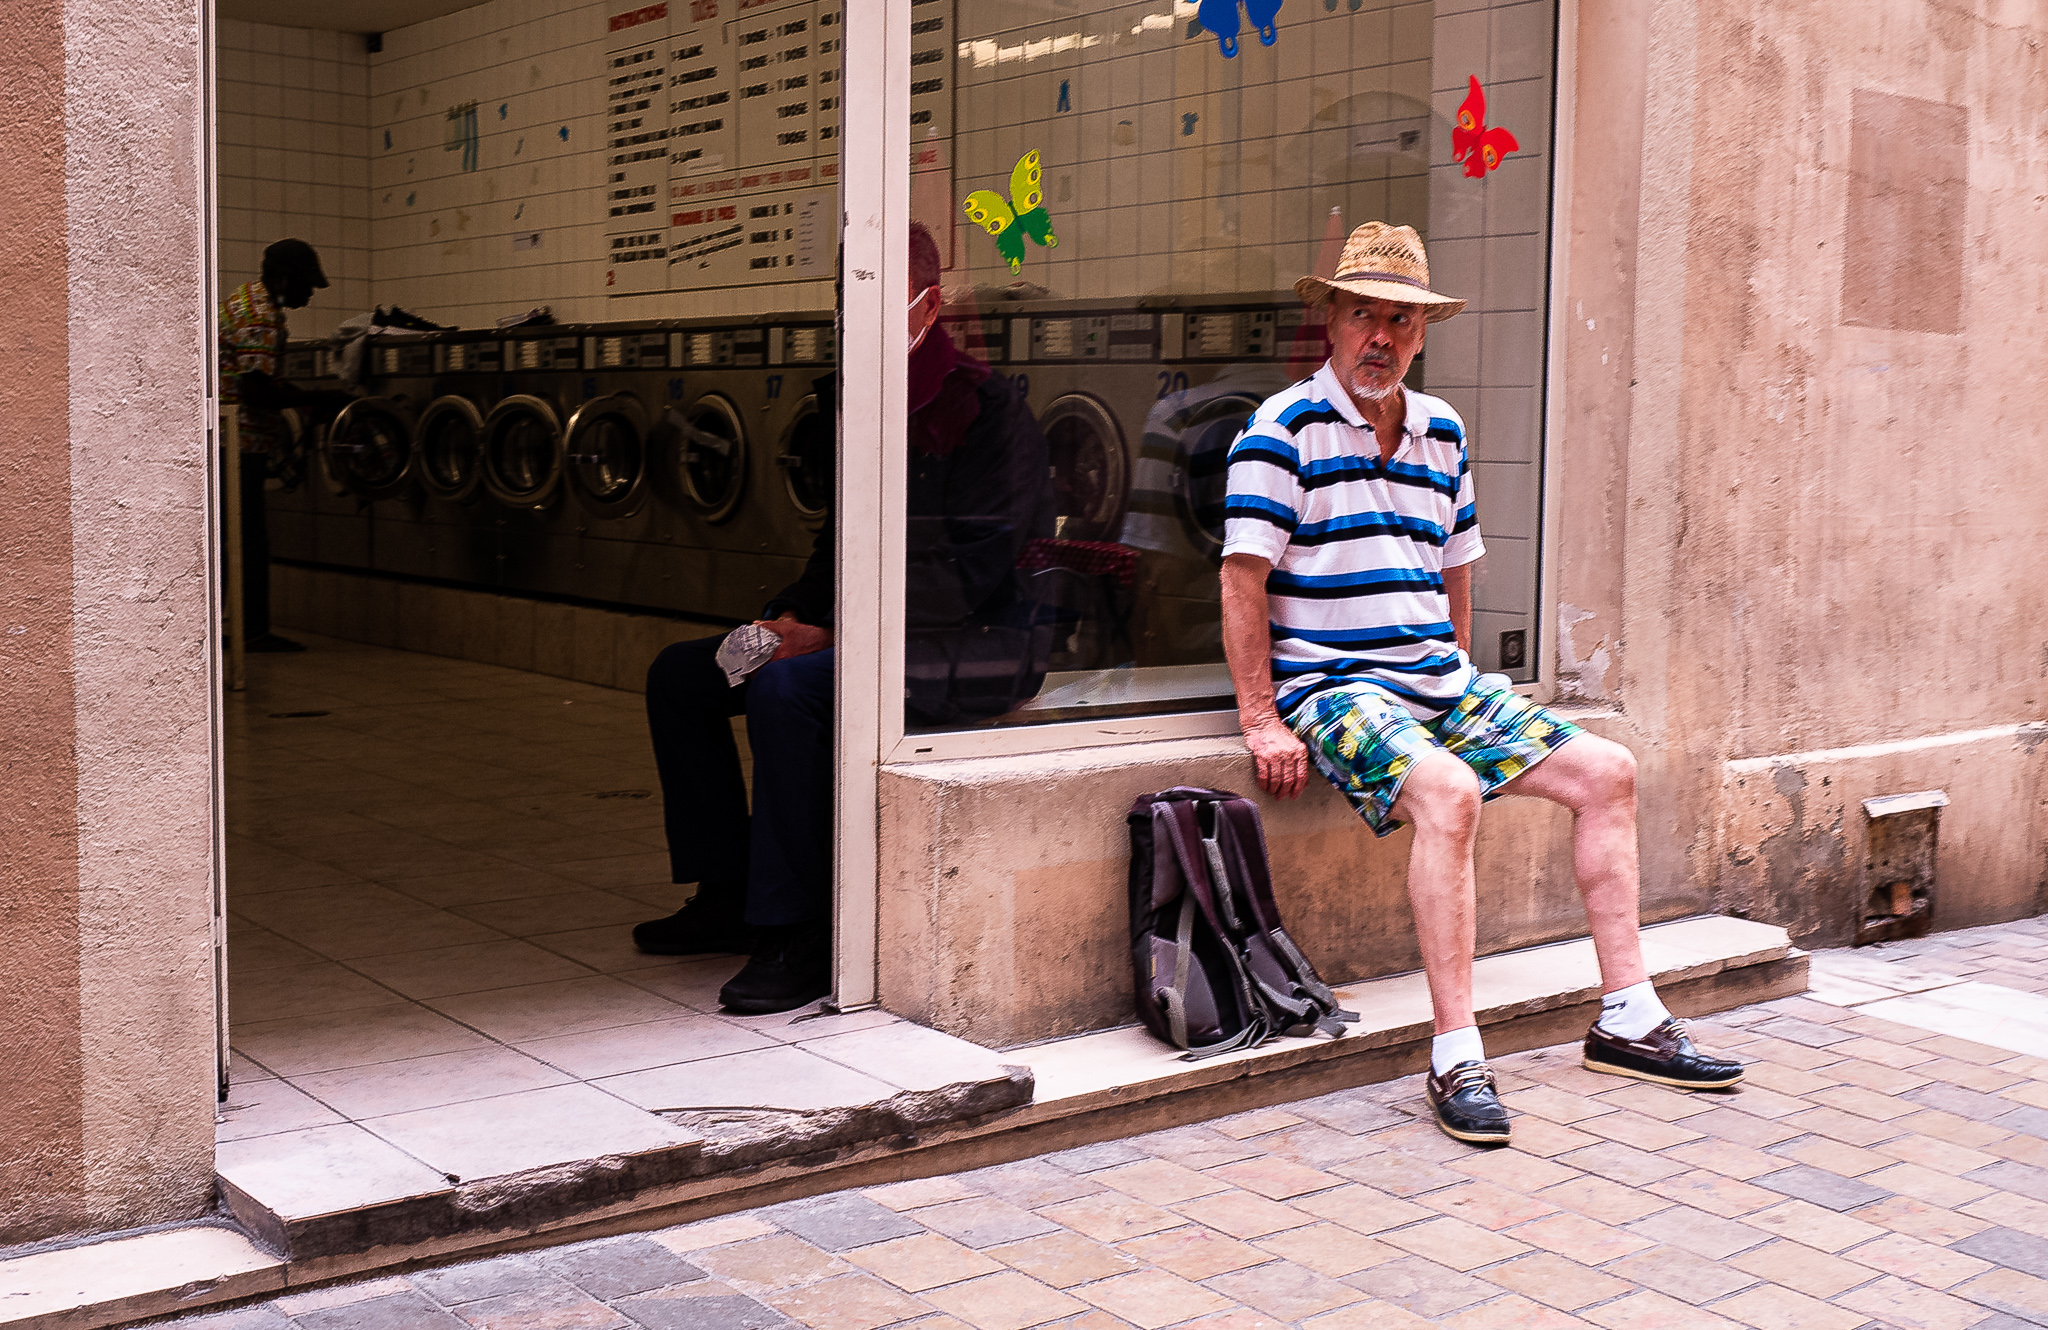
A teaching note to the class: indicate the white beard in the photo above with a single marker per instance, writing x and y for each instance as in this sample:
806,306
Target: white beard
1369,391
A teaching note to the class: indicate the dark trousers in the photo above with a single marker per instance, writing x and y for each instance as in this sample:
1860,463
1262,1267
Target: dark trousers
255,548
783,853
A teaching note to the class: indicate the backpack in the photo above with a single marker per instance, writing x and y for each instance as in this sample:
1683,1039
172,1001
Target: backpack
1214,968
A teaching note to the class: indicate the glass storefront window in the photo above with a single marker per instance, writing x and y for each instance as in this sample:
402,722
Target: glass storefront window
1121,198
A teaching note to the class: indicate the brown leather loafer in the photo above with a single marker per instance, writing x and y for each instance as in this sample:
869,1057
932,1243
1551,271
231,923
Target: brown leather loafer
1665,1056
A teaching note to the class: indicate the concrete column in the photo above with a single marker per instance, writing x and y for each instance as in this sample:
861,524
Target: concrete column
106,738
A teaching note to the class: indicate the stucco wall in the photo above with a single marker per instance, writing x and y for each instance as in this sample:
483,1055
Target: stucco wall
40,1118
1835,477
105,837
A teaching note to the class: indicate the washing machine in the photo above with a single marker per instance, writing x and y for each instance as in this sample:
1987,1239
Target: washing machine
523,464
361,460
745,402
293,481
801,352
440,528
366,452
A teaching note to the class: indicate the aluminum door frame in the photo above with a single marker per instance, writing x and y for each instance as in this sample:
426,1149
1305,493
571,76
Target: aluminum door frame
872,479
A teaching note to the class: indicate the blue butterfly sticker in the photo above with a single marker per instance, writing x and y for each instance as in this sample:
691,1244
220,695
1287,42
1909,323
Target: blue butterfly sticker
1220,17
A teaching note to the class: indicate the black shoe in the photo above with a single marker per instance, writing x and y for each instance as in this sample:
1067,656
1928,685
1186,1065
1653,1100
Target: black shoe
793,970
1665,1056
701,927
272,642
1466,1106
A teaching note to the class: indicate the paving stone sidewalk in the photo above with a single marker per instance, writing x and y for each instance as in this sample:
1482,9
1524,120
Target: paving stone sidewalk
1868,1175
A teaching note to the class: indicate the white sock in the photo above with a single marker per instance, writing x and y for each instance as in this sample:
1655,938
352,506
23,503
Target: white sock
1632,1012
1449,1049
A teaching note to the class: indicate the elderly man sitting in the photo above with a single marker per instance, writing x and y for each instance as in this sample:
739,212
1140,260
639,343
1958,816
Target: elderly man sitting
1350,536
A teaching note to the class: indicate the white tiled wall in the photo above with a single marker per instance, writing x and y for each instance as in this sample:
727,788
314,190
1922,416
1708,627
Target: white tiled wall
445,236
294,159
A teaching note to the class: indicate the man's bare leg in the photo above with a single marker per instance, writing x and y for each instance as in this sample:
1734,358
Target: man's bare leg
1634,1036
1596,779
1440,799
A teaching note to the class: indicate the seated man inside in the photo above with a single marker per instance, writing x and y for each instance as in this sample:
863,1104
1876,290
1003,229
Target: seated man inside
978,493
1350,535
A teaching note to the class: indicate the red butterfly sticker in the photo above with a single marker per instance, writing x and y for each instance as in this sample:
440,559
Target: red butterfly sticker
1480,148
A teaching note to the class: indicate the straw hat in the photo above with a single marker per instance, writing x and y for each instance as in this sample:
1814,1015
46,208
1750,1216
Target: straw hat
1387,263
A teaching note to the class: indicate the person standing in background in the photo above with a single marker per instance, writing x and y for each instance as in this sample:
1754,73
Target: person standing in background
252,337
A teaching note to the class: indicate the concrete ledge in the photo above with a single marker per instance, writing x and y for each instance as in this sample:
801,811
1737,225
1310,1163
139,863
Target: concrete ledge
1004,905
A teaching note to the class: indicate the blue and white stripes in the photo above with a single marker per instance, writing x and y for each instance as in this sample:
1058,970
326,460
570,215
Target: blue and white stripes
1358,547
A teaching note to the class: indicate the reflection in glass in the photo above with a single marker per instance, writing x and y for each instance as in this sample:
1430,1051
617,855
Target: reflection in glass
1122,204
979,627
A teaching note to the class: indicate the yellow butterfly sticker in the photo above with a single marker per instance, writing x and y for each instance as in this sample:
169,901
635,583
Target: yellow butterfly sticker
1023,215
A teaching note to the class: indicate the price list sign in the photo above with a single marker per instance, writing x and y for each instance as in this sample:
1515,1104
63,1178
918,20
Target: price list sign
739,141
636,120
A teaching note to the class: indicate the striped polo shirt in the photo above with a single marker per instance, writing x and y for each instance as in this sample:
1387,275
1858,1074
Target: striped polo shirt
1358,547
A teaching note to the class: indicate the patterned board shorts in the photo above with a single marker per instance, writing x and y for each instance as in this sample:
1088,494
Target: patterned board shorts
1364,741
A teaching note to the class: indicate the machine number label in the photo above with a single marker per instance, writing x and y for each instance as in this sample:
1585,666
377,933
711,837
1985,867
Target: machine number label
1171,383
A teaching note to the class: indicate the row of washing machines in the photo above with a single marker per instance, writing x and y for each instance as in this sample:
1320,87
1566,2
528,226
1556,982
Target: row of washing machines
684,467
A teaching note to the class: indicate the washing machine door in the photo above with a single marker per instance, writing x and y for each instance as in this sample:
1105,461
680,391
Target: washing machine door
1091,470
1201,473
522,456
368,448
709,457
606,446
808,448
449,448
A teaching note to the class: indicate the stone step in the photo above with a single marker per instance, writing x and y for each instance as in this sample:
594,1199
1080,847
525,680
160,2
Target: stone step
994,1108
1524,999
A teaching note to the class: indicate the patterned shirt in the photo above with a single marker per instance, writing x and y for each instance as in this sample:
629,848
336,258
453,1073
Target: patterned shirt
1358,546
252,338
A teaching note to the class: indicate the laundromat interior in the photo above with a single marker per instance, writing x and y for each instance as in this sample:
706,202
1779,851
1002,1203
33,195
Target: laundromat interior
443,817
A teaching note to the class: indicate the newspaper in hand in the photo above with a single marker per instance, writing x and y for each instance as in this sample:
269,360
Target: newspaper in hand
746,649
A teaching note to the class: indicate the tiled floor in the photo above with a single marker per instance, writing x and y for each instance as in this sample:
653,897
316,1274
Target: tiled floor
433,867
1874,1174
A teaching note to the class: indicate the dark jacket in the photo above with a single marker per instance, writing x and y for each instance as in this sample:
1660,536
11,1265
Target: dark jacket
979,492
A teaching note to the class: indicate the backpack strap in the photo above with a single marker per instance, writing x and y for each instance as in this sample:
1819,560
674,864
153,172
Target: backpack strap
1183,827
1248,846
1174,997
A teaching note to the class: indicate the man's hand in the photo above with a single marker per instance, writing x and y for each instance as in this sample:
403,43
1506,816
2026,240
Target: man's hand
798,639
1281,759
